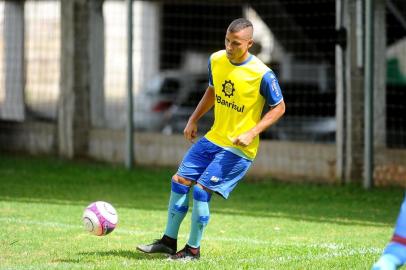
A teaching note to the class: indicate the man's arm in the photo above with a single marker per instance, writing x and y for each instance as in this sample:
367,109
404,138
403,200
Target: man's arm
267,120
205,104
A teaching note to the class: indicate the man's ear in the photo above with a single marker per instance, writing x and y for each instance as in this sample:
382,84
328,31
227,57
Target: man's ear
250,43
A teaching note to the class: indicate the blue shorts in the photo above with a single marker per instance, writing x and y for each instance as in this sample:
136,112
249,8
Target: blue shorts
213,167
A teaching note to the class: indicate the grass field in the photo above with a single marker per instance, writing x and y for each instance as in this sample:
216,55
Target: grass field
265,225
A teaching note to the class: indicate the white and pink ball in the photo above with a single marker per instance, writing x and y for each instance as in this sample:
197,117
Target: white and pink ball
100,218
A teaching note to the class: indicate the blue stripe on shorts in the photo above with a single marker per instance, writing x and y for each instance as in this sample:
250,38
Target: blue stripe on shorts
213,167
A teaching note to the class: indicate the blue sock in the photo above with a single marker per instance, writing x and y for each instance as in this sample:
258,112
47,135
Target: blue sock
387,262
394,255
396,250
177,208
400,228
397,247
200,215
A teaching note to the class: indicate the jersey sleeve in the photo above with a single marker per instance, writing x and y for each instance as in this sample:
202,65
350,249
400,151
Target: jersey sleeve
270,89
209,73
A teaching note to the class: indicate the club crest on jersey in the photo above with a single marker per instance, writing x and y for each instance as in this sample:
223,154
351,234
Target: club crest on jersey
228,88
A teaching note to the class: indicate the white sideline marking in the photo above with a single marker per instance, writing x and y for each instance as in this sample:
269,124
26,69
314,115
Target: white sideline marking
337,249
314,257
125,231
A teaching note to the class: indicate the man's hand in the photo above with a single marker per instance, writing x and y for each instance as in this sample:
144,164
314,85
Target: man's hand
244,139
205,104
190,131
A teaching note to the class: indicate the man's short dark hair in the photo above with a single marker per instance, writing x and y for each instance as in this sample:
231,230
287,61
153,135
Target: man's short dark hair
239,24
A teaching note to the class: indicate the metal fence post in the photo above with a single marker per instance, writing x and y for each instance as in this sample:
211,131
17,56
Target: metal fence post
129,159
369,94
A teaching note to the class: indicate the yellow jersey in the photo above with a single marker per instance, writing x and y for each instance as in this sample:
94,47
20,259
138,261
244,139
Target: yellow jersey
241,91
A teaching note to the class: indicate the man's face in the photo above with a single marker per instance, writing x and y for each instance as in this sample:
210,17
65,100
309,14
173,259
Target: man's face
237,44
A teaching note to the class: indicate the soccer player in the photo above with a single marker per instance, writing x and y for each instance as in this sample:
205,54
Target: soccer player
394,255
239,86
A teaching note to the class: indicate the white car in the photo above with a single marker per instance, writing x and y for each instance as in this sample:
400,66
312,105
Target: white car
151,105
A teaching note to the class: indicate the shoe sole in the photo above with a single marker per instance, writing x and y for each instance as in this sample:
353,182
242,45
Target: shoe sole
185,260
156,252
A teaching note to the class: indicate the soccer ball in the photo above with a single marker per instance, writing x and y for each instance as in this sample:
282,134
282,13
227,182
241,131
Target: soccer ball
100,218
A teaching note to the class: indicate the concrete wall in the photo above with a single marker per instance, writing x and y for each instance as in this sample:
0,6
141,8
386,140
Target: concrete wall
289,161
12,107
30,137
283,160
278,159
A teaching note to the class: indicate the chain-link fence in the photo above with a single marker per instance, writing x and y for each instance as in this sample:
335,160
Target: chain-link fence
390,168
172,43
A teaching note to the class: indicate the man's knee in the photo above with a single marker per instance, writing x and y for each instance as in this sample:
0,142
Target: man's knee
182,180
204,188
187,182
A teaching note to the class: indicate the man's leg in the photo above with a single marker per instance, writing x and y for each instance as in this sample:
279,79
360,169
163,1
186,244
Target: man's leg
200,219
200,215
220,176
394,255
190,170
178,205
177,210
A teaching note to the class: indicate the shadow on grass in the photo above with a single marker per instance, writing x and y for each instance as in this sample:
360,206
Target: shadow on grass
128,254
44,180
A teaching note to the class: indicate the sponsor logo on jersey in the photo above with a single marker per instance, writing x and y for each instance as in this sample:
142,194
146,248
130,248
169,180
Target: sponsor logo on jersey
228,88
228,104
214,179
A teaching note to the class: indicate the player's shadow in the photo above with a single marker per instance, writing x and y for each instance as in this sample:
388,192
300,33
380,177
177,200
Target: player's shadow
129,254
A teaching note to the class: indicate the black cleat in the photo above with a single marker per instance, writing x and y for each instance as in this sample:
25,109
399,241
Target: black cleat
164,245
186,254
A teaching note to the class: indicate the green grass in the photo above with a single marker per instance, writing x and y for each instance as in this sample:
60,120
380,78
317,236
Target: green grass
267,225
